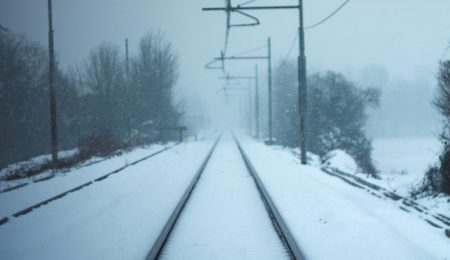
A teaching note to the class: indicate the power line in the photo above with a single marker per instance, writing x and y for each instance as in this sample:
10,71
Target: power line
301,68
310,27
249,51
328,17
445,52
290,51
227,34
248,2
228,11
244,72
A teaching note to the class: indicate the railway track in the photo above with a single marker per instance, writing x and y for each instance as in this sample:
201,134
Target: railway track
436,220
24,211
196,209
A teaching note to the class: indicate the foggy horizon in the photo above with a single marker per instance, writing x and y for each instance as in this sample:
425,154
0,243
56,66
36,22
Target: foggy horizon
403,38
225,129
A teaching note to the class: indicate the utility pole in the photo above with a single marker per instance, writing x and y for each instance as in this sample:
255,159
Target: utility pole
222,58
270,92
127,61
249,102
127,85
250,128
256,103
302,84
301,62
51,81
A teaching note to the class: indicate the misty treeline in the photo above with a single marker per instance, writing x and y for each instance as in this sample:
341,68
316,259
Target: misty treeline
438,177
102,102
405,109
336,114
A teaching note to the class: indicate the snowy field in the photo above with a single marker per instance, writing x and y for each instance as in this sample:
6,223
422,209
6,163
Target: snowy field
95,165
333,220
403,161
121,217
21,198
118,218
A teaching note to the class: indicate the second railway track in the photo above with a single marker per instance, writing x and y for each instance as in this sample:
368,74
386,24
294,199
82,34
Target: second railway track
225,213
26,210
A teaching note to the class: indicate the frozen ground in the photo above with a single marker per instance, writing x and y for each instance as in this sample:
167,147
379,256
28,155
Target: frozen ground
403,161
118,218
121,217
16,200
333,220
125,157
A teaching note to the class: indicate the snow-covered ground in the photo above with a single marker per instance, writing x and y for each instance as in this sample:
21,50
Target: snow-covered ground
403,161
16,200
118,218
333,220
125,156
121,217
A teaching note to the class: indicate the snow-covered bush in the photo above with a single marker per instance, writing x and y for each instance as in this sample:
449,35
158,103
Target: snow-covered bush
100,143
445,169
336,114
341,160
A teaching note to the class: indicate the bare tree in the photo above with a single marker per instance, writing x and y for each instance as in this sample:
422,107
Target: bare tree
103,76
23,88
442,102
94,99
154,74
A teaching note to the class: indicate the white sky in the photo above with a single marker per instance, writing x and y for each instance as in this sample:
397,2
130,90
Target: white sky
403,36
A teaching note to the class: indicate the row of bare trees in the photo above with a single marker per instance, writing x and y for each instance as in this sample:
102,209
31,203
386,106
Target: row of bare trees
104,97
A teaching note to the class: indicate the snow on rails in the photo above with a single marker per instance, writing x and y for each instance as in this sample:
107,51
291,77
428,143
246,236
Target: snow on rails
169,233
27,210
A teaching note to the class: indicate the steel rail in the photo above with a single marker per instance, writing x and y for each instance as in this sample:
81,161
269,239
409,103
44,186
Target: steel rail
164,235
281,227
279,224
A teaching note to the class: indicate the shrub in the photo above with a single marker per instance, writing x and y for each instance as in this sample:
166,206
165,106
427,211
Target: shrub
100,143
445,169
336,115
